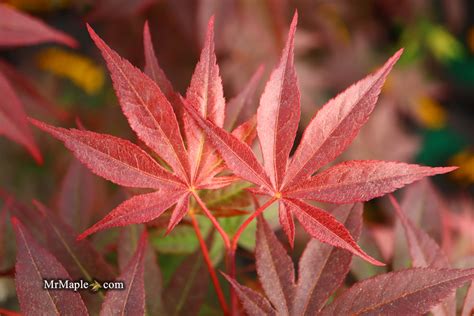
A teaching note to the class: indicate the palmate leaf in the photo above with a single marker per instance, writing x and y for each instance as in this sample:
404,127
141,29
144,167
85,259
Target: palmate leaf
35,264
406,292
330,132
150,105
322,269
131,300
148,111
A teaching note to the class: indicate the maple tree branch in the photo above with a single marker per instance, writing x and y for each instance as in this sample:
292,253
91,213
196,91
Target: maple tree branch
8,312
244,225
210,268
231,268
214,221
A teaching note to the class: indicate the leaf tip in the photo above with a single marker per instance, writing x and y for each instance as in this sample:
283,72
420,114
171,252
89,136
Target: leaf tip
86,233
146,32
36,154
295,19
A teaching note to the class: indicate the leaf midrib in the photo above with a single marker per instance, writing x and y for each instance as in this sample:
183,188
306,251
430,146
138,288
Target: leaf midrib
310,157
157,125
20,230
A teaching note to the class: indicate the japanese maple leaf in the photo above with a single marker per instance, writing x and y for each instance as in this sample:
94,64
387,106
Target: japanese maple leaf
330,132
147,101
323,268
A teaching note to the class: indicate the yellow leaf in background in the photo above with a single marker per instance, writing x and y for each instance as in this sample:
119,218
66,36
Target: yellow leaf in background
465,161
430,113
38,5
443,45
81,70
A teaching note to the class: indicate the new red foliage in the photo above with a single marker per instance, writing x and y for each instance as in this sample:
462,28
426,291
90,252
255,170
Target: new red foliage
330,132
148,106
406,292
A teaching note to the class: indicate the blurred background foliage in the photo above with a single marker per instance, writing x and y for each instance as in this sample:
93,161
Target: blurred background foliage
425,113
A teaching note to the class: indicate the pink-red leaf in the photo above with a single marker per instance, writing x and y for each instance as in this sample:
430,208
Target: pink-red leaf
138,209
148,111
275,268
34,265
112,158
238,156
254,303
325,228
279,113
334,127
13,121
286,221
205,94
127,245
406,292
358,181
131,300
323,268
245,132
19,29
179,212
152,67
243,100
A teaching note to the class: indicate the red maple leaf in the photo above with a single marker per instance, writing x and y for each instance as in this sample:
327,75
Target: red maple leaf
330,132
148,102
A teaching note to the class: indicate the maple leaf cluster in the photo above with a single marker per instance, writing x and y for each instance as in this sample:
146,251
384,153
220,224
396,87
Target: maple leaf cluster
189,149
322,269
149,103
